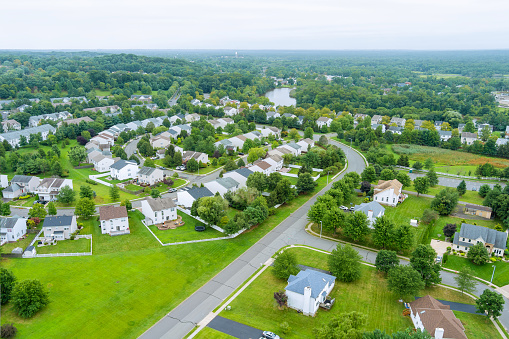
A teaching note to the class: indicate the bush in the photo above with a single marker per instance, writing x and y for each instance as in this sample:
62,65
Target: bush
8,331
91,182
285,327
444,259
28,297
285,265
493,259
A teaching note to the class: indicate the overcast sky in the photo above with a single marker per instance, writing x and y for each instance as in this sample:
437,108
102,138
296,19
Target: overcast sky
254,24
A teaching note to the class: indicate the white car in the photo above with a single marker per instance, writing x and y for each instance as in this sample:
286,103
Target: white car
270,335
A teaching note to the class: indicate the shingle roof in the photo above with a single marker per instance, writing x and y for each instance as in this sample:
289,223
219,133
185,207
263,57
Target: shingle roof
112,212
263,165
385,185
199,192
160,204
227,182
64,220
22,178
12,188
245,172
122,163
8,222
309,278
323,119
479,207
490,236
146,170
370,206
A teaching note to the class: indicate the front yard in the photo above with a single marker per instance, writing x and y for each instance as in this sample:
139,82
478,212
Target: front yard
485,271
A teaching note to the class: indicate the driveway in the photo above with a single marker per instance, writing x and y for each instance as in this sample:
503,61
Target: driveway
234,328
440,246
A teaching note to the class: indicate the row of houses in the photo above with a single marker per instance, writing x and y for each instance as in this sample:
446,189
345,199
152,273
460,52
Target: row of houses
47,188
34,121
14,137
237,142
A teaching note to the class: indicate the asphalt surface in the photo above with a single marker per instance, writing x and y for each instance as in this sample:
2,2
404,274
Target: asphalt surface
234,328
461,307
131,147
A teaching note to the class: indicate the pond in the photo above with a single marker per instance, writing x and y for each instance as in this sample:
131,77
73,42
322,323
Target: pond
281,97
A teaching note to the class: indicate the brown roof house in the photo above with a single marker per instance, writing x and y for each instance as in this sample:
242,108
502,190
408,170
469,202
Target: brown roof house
437,319
388,192
114,220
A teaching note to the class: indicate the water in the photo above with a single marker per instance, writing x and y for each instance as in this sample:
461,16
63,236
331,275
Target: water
281,97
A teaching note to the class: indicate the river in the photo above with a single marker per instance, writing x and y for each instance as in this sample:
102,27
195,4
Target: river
281,97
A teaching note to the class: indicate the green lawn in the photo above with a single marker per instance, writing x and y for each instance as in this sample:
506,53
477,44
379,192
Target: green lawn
186,232
66,246
477,326
209,333
8,247
472,197
132,187
256,306
485,271
205,170
444,220
178,182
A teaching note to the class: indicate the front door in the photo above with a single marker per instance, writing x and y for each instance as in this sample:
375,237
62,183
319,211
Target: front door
118,228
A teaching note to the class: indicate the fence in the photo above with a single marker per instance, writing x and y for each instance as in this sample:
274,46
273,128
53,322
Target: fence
80,254
84,166
12,255
456,175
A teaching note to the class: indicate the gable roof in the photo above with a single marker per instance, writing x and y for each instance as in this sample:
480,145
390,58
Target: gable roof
489,235
123,163
160,204
147,170
51,182
370,206
9,222
263,165
22,178
323,119
309,278
112,212
64,220
199,192
245,172
12,188
384,185
227,182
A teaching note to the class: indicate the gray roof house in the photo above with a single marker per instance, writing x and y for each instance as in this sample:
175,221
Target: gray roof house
469,235
186,196
150,176
13,137
372,210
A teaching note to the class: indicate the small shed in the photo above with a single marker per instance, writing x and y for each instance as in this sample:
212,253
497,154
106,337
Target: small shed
413,222
30,252
480,211
17,250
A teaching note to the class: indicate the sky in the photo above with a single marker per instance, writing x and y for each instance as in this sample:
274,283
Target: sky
259,24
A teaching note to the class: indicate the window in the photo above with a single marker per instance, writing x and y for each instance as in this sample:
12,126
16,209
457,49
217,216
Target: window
66,228
466,248
155,214
463,239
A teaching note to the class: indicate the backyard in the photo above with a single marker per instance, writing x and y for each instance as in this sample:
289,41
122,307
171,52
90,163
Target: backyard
471,197
66,246
23,243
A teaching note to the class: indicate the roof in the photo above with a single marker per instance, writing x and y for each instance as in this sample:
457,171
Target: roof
445,133
263,165
51,182
385,185
469,135
309,278
294,145
434,314
112,212
488,235
373,206
8,222
479,207
22,178
276,157
324,119
283,150
147,170
199,192
245,172
160,204
227,182
12,188
308,141
241,137
123,163
64,220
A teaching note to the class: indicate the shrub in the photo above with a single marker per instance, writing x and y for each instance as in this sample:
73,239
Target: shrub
8,331
444,259
449,248
492,259
91,182
28,297
285,327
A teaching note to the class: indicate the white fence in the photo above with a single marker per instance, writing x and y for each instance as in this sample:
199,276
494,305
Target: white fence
80,254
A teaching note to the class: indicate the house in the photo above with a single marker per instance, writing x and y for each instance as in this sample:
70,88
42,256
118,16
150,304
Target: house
445,135
396,130
160,141
11,229
262,166
150,176
102,163
230,111
293,147
238,141
468,138
113,220
49,188
418,123
198,156
174,119
274,131
157,211
438,125
195,102
375,127
253,135
501,141
400,122
275,161
4,182
388,192
225,121
430,315
239,175
469,235
308,289
480,127
372,210
124,169
11,125
305,144
222,185
78,120
34,121
481,211
281,151
193,117
60,227
323,121
289,115
186,196
226,143
104,139
14,137
21,185
214,123
376,119
104,109
359,117
143,97
507,132
272,115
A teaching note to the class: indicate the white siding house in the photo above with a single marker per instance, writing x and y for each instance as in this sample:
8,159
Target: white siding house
123,170
60,227
49,188
113,220
388,192
11,229
150,176
186,196
157,211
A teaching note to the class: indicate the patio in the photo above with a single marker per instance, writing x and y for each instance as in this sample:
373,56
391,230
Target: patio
171,224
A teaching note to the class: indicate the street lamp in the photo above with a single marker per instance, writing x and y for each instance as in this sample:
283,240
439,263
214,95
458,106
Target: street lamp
328,178
320,228
493,274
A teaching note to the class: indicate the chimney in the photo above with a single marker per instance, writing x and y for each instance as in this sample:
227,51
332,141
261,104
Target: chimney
370,214
439,333
306,309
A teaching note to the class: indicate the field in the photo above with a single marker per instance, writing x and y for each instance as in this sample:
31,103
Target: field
485,271
443,220
476,326
445,157
8,247
472,197
66,246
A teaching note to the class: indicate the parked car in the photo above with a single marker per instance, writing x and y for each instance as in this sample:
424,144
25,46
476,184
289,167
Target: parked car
344,208
171,190
438,259
352,208
240,153
161,167
270,335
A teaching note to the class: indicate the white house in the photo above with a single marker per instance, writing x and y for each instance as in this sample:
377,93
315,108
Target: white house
103,163
150,176
192,117
49,188
400,122
21,185
198,156
388,192
376,119
262,166
14,137
222,185
225,121
230,111
157,211
11,125
275,161
187,195
323,121
11,229
238,141
305,144
430,315
372,210
469,235
445,135
60,227
160,141
293,147
271,130
113,220
35,120
468,138
4,182
124,169
281,151
308,289
239,175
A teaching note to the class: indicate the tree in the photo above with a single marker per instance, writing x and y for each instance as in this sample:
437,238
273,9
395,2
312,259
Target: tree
192,165
155,193
6,209
344,263
294,134
211,209
257,180
52,210
417,165
421,185
86,192
449,230
241,163
386,260
403,237
308,133
230,166
383,230
428,164
432,178
462,188
37,211
429,215
305,183
8,331
387,174
114,193
7,282
150,163
77,155
283,192
445,201
177,159
369,174
344,326
491,303
465,281
128,205
478,254
324,141
85,207
404,179
356,226
405,281
484,190
365,186
28,297
66,195
285,265
423,261
255,154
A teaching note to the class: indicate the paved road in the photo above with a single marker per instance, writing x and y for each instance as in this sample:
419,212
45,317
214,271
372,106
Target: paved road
234,328
131,147
452,182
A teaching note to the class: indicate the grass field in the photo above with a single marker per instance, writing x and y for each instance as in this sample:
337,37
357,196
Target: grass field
8,247
66,246
443,220
186,232
485,271
476,326
209,333
472,197
129,283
